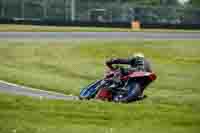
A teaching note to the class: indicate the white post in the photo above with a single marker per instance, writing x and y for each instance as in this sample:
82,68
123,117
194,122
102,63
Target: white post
73,10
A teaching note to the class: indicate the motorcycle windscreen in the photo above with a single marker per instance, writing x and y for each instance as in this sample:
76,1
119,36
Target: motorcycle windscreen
90,90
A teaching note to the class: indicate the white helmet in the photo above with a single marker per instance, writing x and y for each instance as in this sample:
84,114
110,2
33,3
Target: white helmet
139,55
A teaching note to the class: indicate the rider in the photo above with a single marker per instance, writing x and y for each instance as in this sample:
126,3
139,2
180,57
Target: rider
137,63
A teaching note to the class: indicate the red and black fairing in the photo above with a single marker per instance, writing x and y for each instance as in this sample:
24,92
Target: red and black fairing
143,78
137,75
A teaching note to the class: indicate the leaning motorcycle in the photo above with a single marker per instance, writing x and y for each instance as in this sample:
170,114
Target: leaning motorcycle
116,85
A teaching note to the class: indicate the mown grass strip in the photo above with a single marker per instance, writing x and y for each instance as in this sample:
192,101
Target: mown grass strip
34,28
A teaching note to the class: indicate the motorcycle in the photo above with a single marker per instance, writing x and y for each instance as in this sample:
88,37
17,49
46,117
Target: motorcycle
116,84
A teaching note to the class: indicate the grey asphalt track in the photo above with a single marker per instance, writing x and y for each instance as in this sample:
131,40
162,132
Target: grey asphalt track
21,90
102,35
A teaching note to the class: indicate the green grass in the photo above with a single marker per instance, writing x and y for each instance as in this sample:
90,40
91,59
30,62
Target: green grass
22,114
172,104
34,28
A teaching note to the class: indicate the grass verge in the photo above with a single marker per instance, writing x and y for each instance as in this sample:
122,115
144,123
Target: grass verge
34,28
21,114
172,104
